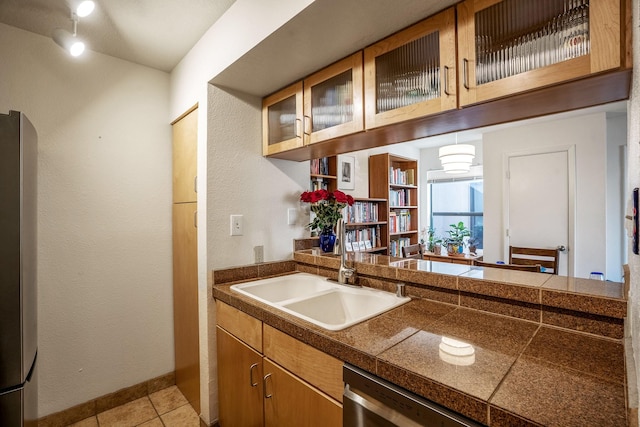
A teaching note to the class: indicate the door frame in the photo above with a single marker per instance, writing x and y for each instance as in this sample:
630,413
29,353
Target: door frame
571,181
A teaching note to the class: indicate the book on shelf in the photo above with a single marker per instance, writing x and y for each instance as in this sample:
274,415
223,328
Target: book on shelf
402,177
399,221
320,166
396,245
361,212
362,238
400,197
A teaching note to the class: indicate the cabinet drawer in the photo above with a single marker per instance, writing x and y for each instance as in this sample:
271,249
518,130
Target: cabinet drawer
239,324
315,367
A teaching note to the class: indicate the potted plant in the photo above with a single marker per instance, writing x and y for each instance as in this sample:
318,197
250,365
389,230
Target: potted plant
455,241
433,241
473,245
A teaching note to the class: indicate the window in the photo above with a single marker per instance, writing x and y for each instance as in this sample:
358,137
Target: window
452,201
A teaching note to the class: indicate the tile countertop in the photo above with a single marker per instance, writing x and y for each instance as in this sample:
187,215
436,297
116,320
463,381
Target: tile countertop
516,372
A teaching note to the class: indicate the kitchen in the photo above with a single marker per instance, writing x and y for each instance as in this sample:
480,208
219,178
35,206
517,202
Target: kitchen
105,274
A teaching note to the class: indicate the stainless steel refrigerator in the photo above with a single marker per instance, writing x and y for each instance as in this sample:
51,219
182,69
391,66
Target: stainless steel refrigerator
18,278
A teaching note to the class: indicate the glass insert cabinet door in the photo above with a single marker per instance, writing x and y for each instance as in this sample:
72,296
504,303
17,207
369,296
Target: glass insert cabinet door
511,46
412,73
282,120
333,100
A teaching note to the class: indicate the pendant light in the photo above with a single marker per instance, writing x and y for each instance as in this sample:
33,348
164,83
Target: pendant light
456,158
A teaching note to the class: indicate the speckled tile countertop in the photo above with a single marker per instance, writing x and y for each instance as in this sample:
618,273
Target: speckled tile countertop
513,370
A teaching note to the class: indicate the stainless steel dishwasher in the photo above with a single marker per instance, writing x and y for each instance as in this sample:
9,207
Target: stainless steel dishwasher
370,401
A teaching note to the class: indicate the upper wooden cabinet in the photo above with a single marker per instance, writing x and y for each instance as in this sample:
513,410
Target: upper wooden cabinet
511,46
282,120
412,73
325,105
333,100
185,149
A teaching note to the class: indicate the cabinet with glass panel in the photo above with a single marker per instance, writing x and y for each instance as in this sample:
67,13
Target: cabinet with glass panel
412,73
511,46
326,105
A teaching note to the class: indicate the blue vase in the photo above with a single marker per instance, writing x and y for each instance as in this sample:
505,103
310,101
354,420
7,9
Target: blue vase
327,240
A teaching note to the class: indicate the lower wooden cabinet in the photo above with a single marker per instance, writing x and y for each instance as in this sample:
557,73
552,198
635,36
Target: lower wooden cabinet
239,382
257,391
289,401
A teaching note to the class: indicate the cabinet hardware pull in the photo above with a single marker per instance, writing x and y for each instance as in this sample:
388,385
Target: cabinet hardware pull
446,80
195,219
298,128
307,125
465,73
251,382
264,387
195,184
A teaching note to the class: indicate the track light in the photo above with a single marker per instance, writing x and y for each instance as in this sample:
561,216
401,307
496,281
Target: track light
82,8
67,40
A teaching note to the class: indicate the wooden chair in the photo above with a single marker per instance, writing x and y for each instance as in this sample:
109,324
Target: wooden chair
535,268
412,251
547,258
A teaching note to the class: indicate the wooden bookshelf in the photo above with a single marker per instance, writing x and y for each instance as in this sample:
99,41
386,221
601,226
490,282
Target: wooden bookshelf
365,223
395,178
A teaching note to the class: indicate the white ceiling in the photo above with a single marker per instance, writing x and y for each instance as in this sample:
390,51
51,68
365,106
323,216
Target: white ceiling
155,33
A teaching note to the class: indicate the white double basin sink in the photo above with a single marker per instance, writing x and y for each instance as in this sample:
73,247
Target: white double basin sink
322,302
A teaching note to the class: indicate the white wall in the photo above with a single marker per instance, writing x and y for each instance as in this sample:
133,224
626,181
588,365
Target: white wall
104,297
588,135
616,196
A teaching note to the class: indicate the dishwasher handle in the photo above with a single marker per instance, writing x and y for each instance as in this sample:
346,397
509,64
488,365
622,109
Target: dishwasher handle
358,407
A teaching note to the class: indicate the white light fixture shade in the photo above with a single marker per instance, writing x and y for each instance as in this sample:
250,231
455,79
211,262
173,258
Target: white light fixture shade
68,42
457,158
82,8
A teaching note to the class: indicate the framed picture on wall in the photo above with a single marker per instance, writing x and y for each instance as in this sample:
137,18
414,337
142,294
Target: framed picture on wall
346,173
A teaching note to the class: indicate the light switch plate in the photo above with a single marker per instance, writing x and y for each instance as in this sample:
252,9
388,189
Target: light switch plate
292,216
236,225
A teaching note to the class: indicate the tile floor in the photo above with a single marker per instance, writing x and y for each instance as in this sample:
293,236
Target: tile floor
164,408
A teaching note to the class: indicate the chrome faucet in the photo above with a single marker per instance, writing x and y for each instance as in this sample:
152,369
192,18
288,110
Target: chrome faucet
346,275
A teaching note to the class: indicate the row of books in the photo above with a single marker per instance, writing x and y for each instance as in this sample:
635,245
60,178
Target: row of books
320,166
402,177
363,239
361,212
400,197
396,245
319,184
399,221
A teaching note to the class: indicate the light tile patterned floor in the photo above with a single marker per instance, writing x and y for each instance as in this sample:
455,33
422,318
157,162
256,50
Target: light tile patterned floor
165,408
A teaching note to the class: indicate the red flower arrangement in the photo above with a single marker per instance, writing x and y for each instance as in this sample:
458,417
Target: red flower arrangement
327,205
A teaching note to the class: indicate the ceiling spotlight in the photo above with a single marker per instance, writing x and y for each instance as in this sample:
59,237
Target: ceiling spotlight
68,42
82,8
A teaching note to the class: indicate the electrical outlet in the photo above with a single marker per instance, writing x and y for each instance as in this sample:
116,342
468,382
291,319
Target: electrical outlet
236,225
258,254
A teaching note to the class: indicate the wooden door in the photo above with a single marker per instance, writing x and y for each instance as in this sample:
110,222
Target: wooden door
185,142
239,382
291,402
539,204
185,302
